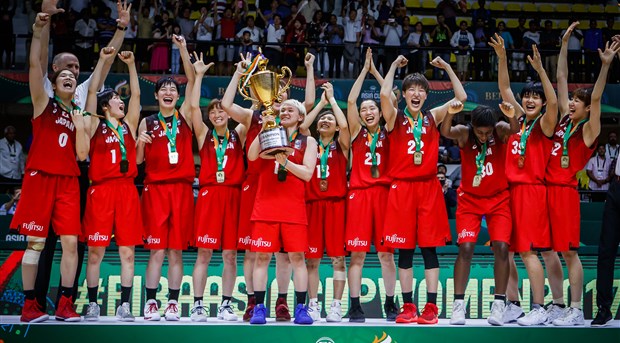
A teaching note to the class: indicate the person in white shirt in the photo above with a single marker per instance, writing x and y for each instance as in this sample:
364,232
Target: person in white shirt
11,157
612,147
275,34
307,8
598,170
203,29
352,38
85,29
256,34
8,208
392,32
464,41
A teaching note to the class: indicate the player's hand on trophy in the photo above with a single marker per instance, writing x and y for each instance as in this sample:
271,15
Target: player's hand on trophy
281,158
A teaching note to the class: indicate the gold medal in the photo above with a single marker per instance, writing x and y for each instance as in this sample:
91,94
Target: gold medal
323,185
417,158
173,157
124,166
374,172
220,176
521,161
564,161
477,180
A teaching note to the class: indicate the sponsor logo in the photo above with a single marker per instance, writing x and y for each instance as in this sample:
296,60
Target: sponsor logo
259,243
92,191
357,242
15,238
465,234
395,239
393,186
153,240
385,338
245,240
32,226
33,173
246,188
352,196
205,192
97,237
207,240
146,188
314,250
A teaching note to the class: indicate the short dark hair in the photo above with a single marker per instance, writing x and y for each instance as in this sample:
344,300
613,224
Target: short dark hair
164,81
583,94
483,116
535,88
324,113
416,79
55,75
103,99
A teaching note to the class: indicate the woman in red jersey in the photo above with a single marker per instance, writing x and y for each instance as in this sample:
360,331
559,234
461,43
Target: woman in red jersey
574,141
281,185
325,201
50,191
165,145
217,208
368,191
112,204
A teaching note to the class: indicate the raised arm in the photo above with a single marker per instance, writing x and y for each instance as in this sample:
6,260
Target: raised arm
459,92
310,86
50,7
458,132
562,74
35,75
592,128
200,128
82,137
304,128
96,78
344,137
353,115
237,113
387,107
133,110
503,80
303,171
189,73
550,118
503,129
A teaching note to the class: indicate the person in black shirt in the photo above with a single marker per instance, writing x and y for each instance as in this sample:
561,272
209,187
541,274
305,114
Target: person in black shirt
549,39
441,36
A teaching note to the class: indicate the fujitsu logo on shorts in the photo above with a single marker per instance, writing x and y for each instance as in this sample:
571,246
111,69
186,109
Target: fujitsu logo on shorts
97,237
245,240
465,234
206,239
153,240
314,250
357,242
32,226
395,239
259,243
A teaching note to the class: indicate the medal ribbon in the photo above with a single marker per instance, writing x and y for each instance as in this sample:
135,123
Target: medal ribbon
372,140
119,133
416,126
569,132
324,155
480,159
220,148
75,106
525,133
171,134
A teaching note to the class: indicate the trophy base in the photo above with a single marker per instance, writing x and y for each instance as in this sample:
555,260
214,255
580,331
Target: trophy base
273,142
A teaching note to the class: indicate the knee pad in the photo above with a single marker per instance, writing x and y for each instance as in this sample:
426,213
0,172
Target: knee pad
430,258
405,258
340,275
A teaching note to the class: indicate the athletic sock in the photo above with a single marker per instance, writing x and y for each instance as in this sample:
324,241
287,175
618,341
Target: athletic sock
575,304
173,294
260,297
67,292
458,296
92,294
197,299
125,293
226,298
300,297
29,294
501,297
151,293
389,300
515,302
432,298
282,296
313,300
559,302
408,297
355,301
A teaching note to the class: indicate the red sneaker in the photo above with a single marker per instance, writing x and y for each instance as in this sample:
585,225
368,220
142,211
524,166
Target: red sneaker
282,312
65,311
31,312
429,314
408,314
248,309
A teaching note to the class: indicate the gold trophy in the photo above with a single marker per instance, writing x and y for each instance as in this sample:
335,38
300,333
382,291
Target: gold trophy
264,87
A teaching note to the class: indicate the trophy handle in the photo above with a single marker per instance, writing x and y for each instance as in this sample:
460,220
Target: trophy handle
280,76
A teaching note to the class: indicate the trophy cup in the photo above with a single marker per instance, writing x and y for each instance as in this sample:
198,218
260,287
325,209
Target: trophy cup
264,87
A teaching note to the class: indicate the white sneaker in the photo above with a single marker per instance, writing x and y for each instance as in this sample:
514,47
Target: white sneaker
314,311
537,316
554,312
151,311
497,313
335,313
123,313
171,313
458,313
92,312
512,313
226,312
572,316
198,313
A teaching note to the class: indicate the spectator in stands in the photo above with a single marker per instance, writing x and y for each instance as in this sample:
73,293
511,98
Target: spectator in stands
441,168
268,15
166,21
598,170
417,58
203,30
335,33
612,147
392,32
275,35
592,41
85,29
608,33
160,51
574,53
256,34
463,40
8,208
175,58
314,36
226,36
508,44
352,39
62,32
454,154
455,177
145,31
482,13
296,36
128,44
549,40
449,194
308,8
531,37
384,10
518,57
106,26
481,53
11,157
441,36
184,21
372,35
7,42
449,8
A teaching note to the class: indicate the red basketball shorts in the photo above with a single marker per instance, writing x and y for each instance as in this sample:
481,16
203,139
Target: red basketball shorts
274,237
365,218
564,217
215,221
496,210
248,195
530,219
325,228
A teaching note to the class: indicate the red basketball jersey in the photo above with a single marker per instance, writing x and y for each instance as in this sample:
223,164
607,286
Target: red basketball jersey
253,131
537,153
578,154
493,171
361,160
105,154
403,147
336,175
281,201
233,161
53,143
158,166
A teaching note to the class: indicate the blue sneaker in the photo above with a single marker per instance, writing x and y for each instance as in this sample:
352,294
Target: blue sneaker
259,315
302,316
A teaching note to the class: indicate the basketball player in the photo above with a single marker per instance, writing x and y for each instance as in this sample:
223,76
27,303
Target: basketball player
252,120
574,141
483,192
367,196
416,210
112,206
526,160
50,191
217,208
282,184
325,204
165,145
